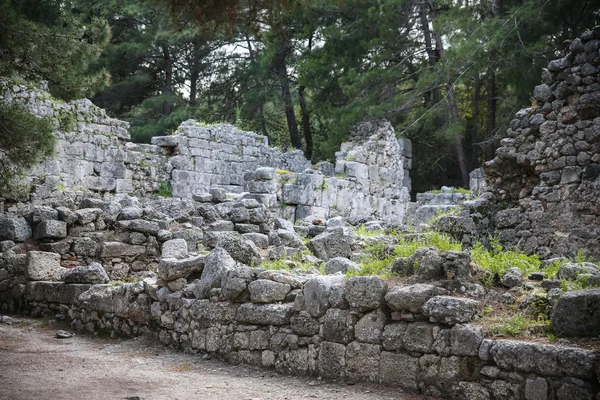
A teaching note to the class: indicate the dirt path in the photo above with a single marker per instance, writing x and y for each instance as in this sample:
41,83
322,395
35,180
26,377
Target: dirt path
36,365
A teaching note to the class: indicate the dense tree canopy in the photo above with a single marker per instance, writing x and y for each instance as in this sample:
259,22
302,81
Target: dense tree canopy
447,74
51,41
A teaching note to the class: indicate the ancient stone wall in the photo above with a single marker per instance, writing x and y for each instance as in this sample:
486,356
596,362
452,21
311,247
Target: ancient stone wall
369,180
356,329
545,178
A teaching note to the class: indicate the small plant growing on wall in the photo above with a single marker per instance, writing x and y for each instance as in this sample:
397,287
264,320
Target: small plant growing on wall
165,189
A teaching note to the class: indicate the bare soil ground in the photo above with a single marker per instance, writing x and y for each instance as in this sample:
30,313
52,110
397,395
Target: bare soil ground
36,365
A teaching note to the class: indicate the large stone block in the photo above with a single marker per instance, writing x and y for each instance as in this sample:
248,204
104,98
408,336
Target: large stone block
410,298
397,369
543,359
362,361
451,310
54,292
51,229
43,266
334,242
332,360
223,312
171,269
267,291
14,228
316,293
365,292
577,313
217,263
264,314
118,249
338,325
93,273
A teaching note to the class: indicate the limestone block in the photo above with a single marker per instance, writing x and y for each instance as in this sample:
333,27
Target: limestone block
51,229
43,266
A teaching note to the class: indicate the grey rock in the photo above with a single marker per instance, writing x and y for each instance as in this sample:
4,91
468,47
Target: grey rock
542,93
62,334
216,264
141,225
577,313
175,248
130,212
15,229
171,269
335,221
451,310
239,249
369,328
465,340
410,298
93,273
280,223
391,363
536,389
84,247
572,270
267,291
264,314
366,292
58,292
234,283
317,292
51,229
419,337
5,319
332,360
334,242
543,359
393,336
303,324
6,245
340,264
43,266
66,215
338,326
260,240
118,249
513,277
290,239
430,263
202,197
362,361
219,195
42,213
87,215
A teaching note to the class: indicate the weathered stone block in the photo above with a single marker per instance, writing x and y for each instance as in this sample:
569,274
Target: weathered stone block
398,369
267,291
43,266
362,361
50,229
332,360
365,292
264,314
338,325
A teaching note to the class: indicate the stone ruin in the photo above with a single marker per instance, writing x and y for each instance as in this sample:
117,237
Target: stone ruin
96,246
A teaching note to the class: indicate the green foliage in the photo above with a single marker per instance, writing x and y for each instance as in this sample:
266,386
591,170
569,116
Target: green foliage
497,260
518,325
407,246
52,41
165,189
361,230
381,256
24,140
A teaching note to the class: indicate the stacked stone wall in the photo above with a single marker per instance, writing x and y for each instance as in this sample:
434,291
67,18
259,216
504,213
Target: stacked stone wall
353,330
94,157
545,178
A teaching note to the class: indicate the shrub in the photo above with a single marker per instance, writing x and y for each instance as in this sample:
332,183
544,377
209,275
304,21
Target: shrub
497,261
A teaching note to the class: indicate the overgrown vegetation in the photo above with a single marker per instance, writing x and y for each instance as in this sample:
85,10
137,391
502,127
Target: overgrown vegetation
380,256
24,140
164,189
497,260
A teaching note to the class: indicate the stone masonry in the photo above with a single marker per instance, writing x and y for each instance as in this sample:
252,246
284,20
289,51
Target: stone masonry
545,178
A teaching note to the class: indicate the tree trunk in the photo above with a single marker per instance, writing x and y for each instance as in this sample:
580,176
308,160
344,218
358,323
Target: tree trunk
286,95
491,114
454,113
430,95
305,123
261,105
475,128
167,107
